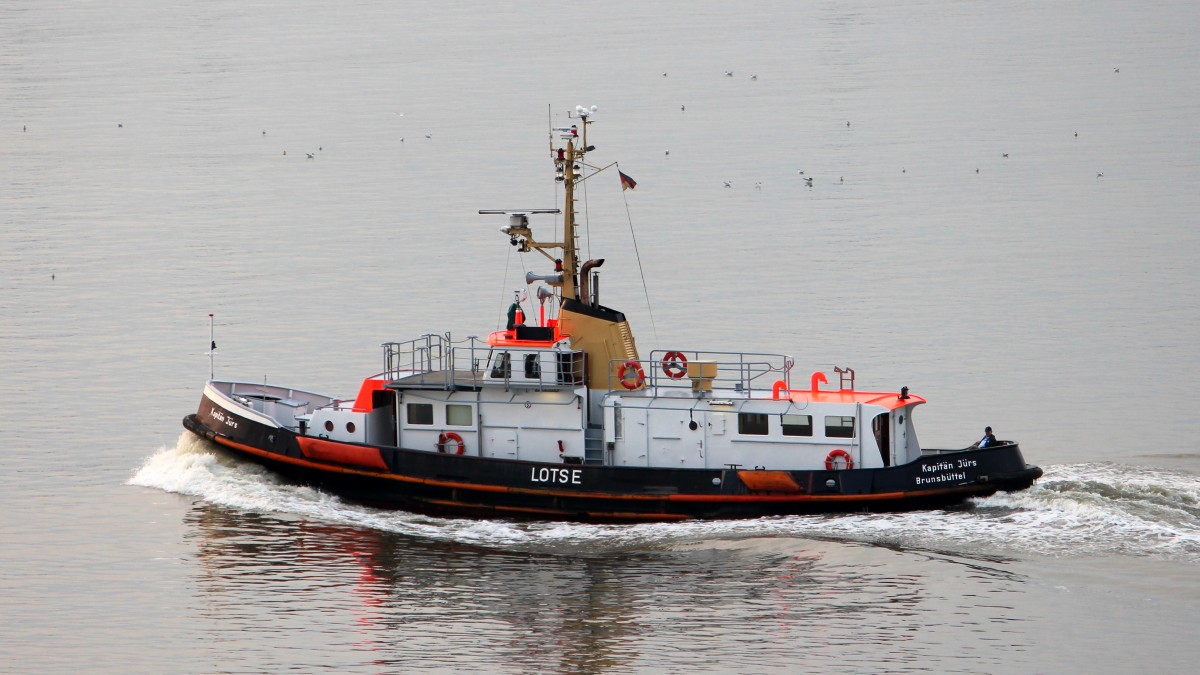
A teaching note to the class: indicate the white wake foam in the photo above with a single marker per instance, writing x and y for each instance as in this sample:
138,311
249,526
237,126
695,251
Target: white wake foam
1078,509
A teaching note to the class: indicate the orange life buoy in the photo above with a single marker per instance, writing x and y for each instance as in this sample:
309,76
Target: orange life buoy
836,455
448,437
634,367
674,364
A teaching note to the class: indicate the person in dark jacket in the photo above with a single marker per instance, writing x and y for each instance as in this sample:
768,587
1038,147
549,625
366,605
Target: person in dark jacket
988,438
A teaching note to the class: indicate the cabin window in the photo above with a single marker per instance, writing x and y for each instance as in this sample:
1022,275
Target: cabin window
797,425
533,367
839,426
420,413
458,415
752,424
501,368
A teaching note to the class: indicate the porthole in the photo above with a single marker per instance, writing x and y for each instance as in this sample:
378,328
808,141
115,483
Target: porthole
350,427
328,425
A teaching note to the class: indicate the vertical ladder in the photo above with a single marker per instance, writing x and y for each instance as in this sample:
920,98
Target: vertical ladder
593,444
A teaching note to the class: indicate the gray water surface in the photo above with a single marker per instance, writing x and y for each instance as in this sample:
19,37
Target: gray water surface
1002,217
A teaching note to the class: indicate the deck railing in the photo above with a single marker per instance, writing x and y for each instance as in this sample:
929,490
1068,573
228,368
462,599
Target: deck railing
739,371
442,363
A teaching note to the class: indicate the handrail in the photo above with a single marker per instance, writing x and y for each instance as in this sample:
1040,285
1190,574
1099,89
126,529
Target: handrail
435,356
740,371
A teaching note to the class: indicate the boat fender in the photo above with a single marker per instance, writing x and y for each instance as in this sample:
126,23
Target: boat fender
674,365
778,388
451,437
626,369
837,454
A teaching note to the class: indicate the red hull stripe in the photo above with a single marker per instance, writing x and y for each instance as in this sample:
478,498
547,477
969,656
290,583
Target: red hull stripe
478,487
332,451
613,515
867,496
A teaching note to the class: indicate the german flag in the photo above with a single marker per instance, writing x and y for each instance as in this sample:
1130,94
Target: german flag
627,183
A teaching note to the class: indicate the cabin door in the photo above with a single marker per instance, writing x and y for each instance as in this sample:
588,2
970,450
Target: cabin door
900,435
882,428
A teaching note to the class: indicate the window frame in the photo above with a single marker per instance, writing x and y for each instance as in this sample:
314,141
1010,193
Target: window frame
502,366
746,417
784,426
852,427
469,411
408,414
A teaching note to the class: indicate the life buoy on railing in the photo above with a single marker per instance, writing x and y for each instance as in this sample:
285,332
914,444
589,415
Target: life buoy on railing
831,460
778,388
674,364
634,368
451,437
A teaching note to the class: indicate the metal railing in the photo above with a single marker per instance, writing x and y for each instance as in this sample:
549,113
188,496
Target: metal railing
427,353
739,371
434,357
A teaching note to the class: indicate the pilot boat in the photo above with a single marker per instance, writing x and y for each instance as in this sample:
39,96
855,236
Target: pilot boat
562,417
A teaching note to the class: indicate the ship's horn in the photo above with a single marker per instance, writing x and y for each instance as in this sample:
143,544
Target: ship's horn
544,294
555,279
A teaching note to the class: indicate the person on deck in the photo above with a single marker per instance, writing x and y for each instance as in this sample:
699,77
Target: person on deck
988,438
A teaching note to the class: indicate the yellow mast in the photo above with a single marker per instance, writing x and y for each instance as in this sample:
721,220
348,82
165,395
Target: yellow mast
570,259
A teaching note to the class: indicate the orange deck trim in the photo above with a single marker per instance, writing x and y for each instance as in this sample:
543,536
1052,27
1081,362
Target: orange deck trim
500,338
885,399
369,385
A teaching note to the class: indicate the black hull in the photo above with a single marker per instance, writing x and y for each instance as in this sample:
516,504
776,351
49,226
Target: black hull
447,484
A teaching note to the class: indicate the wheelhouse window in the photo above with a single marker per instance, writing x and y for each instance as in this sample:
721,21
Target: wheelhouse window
502,367
797,425
420,413
458,415
533,367
752,424
839,426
